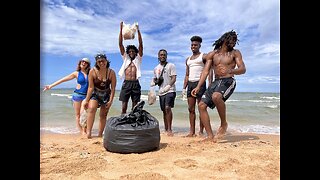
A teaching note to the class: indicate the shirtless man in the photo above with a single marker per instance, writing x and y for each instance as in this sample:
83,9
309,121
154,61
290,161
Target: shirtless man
130,71
224,59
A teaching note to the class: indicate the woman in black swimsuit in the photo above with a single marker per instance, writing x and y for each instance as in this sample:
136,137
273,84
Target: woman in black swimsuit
102,85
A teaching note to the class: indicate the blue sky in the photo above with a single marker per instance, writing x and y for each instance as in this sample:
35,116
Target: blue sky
73,29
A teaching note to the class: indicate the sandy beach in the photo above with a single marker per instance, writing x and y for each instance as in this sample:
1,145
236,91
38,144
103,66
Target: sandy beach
236,156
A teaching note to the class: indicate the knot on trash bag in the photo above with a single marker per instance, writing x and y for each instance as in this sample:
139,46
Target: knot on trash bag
137,116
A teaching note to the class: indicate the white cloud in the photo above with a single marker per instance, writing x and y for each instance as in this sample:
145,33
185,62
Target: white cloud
87,27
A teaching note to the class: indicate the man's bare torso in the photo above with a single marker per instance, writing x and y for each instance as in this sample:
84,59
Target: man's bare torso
131,72
222,62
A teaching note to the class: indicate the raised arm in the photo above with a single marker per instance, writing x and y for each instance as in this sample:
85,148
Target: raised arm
140,42
122,51
64,79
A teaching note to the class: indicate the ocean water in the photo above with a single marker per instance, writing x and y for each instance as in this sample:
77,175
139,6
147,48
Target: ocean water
246,112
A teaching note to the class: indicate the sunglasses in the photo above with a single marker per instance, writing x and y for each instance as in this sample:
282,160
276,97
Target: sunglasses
99,56
85,62
100,61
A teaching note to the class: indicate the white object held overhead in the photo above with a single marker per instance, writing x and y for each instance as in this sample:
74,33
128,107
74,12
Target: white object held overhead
129,31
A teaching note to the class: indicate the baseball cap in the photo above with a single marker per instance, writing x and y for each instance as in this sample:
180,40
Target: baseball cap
86,60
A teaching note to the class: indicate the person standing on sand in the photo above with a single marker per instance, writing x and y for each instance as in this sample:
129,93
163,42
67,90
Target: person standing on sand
194,66
167,88
79,94
102,85
223,59
130,71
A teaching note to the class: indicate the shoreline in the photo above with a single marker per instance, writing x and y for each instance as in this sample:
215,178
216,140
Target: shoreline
237,155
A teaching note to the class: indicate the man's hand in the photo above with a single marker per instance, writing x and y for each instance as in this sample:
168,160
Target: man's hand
165,89
184,92
152,83
195,91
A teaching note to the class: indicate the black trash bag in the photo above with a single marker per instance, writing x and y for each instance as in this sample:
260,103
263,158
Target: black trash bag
136,132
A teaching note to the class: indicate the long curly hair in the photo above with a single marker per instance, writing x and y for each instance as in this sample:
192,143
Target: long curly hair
228,36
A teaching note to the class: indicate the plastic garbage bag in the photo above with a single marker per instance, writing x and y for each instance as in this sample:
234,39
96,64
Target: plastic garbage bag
83,118
136,132
129,31
152,96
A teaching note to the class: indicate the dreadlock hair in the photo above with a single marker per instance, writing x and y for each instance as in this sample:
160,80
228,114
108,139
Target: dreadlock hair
196,38
225,37
131,47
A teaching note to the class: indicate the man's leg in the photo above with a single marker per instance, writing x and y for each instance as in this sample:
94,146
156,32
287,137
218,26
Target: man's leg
135,93
221,108
165,121
134,104
124,107
200,122
125,95
162,107
205,119
192,115
168,119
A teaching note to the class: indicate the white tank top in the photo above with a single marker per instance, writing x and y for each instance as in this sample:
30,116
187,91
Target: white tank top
195,68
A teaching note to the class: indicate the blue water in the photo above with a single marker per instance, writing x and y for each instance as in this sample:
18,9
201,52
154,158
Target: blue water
246,112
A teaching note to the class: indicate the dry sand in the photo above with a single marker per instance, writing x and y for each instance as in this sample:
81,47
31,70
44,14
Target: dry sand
236,156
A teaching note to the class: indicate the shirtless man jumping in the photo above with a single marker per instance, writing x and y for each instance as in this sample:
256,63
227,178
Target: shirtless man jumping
130,71
223,59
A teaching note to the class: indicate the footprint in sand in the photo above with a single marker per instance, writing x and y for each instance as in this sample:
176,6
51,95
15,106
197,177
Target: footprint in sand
145,175
186,163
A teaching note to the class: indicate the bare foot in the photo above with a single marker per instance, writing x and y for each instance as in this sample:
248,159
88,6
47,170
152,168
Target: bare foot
201,134
169,133
191,135
89,136
83,133
209,139
221,132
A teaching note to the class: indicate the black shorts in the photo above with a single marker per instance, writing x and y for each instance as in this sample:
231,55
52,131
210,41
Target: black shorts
192,85
101,96
225,86
167,100
130,89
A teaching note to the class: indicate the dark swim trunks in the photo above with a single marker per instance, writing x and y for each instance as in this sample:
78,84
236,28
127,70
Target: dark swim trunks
225,86
130,89
192,85
167,100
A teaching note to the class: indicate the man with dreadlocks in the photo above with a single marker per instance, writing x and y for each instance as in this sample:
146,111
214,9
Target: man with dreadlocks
130,71
223,59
